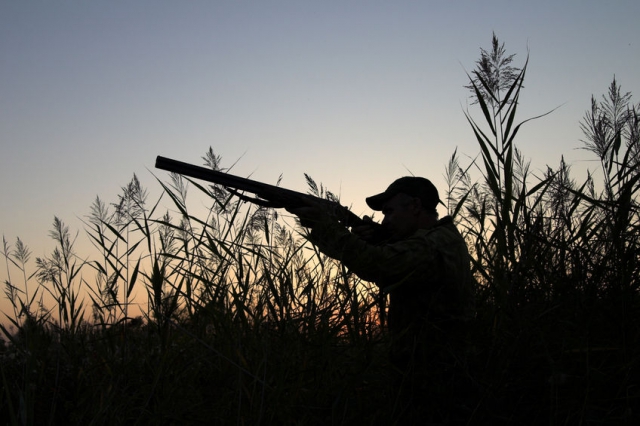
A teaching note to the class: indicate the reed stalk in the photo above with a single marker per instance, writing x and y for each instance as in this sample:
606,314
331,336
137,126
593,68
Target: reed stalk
243,322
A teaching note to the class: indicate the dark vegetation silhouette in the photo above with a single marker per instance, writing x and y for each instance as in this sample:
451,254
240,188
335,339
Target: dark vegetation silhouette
243,323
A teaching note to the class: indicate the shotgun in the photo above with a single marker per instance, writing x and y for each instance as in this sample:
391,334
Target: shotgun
266,195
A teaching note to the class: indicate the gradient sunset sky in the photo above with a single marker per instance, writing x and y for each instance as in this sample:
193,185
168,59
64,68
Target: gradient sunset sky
354,93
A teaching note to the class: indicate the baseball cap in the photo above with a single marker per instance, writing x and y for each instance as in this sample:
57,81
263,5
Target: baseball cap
413,186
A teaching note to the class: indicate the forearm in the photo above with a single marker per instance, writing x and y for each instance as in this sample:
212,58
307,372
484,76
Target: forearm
381,264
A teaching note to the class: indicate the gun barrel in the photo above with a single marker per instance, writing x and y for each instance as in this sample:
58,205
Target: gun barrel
213,176
262,190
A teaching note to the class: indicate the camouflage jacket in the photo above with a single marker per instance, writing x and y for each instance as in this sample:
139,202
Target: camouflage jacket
427,275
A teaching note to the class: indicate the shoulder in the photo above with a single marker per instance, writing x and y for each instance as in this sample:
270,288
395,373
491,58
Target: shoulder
443,228
443,237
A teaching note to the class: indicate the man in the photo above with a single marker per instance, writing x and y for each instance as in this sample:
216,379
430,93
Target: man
424,266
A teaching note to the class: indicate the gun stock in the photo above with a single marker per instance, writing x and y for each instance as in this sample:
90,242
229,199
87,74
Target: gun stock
268,195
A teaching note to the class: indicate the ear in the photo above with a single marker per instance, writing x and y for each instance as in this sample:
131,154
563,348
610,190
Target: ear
416,204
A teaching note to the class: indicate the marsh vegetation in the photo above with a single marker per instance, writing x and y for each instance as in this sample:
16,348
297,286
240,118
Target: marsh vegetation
239,321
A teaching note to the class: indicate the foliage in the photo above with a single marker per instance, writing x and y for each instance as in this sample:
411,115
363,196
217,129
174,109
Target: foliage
557,261
225,315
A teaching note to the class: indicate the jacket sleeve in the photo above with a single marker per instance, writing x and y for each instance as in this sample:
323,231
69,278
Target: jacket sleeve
383,264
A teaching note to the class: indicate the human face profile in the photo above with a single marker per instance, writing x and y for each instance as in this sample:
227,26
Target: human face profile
401,215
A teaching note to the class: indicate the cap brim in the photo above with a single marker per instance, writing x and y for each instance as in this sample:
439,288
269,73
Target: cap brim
377,202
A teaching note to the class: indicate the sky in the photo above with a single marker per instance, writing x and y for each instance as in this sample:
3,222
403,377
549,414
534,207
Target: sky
354,93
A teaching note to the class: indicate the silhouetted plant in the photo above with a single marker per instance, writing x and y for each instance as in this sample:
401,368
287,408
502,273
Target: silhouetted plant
246,323
551,252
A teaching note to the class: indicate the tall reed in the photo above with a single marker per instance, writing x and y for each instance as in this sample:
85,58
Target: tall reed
548,252
205,309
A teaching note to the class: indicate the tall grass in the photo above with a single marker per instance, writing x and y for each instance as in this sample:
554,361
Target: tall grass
557,261
223,314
